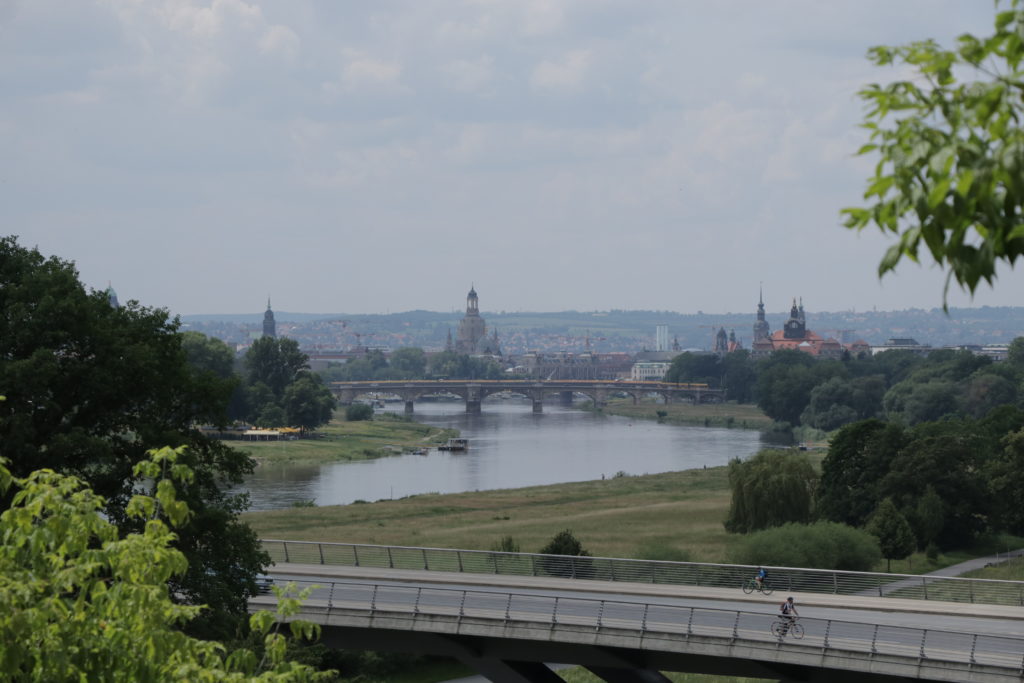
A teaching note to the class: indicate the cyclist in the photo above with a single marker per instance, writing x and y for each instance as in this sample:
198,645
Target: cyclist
760,577
788,614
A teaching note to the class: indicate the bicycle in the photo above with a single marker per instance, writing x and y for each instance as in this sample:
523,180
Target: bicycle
751,585
780,628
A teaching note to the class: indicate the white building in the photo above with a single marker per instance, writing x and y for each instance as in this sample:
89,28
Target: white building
661,338
648,372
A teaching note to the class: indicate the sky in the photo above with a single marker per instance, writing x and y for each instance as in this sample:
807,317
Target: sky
379,157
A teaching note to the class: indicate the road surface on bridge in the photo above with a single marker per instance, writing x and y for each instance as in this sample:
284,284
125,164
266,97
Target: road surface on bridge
947,616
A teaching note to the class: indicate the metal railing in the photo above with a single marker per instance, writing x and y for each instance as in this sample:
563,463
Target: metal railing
666,623
782,579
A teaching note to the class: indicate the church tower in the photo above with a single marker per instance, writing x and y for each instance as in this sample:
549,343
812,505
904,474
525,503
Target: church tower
761,329
269,326
472,329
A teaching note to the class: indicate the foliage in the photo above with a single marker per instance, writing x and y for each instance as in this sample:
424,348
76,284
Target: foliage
90,388
851,474
452,365
770,489
280,390
822,545
83,602
1006,477
838,401
358,411
895,537
950,174
564,543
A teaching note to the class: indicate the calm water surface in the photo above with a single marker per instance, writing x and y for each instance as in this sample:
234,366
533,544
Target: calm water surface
510,447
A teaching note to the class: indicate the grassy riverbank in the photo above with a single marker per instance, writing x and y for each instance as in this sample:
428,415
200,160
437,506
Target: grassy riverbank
386,434
740,415
675,515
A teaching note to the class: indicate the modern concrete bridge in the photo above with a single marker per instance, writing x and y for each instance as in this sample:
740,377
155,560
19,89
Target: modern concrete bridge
475,391
506,628
505,614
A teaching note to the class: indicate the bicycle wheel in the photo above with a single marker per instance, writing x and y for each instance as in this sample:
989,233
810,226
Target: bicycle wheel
776,629
766,588
748,587
796,630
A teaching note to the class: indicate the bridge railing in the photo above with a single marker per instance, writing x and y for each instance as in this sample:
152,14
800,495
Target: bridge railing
781,579
663,622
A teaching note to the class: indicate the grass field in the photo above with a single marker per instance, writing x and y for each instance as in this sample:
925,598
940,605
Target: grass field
743,416
660,516
386,434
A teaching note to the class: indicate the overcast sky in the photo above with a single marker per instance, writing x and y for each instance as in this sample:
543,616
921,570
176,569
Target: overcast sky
364,157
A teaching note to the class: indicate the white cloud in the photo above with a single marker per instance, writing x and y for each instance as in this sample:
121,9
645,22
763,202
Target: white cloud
361,70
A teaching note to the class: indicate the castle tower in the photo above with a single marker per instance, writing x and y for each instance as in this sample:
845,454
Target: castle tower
721,342
795,328
269,326
761,329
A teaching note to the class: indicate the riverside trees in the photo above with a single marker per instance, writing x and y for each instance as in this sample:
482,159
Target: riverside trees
90,388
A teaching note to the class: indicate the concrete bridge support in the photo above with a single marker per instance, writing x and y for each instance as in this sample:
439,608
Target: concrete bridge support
538,406
408,407
473,407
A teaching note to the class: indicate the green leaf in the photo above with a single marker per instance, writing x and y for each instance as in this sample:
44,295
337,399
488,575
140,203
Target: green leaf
938,192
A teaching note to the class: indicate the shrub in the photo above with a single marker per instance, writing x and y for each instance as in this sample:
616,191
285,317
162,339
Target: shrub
822,545
358,411
662,551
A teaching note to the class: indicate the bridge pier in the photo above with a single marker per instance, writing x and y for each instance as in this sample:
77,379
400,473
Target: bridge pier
565,398
538,406
473,407
408,407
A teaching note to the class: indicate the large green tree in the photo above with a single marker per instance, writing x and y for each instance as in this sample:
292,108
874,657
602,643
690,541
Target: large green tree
90,388
950,151
770,489
280,390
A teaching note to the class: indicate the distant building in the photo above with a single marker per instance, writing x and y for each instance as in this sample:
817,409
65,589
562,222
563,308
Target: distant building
661,338
269,326
471,336
902,344
112,297
726,343
795,335
648,372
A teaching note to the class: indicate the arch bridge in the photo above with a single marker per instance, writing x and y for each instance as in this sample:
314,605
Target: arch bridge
474,391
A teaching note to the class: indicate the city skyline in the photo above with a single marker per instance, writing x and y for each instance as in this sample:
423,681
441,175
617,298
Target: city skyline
369,159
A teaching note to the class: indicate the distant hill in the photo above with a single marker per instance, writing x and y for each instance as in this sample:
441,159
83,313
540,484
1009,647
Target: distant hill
614,330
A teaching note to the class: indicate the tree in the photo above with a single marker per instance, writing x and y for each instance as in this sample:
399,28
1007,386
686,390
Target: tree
822,545
770,489
858,458
1006,479
280,389
408,363
358,411
564,543
308,403
950,174
695,367
84,602
90,388
895,537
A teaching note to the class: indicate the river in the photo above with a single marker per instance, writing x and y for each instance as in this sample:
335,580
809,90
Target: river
510,447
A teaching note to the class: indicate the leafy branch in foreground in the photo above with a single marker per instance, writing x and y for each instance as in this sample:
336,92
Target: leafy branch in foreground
83,603
950,173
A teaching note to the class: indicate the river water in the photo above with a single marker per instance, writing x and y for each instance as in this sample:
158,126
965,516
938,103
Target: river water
510,447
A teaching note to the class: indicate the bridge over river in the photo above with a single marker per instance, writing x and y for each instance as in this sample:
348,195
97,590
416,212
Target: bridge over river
473,392
506,614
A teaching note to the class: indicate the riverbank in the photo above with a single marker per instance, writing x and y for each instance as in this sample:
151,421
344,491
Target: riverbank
738,415
671,516
342,441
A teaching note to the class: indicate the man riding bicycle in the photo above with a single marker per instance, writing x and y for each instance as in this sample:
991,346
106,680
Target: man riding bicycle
788,613
760,577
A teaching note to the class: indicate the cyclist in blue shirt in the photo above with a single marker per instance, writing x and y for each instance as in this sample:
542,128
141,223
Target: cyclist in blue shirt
760,577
